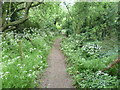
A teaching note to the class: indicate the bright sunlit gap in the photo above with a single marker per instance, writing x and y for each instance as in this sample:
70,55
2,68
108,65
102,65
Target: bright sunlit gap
68,2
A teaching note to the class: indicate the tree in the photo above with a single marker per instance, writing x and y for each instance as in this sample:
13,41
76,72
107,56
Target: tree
15,13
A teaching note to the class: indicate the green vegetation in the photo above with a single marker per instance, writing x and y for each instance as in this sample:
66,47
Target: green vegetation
90,42
23,60
85,63
26,47
93,46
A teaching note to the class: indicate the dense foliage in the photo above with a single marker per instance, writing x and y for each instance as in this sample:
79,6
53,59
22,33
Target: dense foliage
93,45
23,57
85,63
26,47
90,41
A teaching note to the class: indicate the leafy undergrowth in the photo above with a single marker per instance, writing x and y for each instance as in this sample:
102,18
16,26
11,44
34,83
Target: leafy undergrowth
23,57
85,60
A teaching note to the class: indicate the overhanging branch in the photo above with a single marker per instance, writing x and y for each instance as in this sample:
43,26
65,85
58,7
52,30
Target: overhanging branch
20,20
17,10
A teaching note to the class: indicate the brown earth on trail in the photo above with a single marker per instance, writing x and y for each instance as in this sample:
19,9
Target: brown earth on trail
55,75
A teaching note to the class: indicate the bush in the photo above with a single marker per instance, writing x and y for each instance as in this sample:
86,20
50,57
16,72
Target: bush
88,79
86,59
23,57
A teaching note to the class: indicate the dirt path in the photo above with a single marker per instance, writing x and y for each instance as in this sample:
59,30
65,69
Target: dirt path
56,75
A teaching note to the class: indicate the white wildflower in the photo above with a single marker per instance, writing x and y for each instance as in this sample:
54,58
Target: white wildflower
26,56
29,75
21,67
30,70
18,64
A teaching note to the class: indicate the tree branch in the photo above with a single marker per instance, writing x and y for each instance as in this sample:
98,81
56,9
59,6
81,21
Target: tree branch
26,8
17,10
18,21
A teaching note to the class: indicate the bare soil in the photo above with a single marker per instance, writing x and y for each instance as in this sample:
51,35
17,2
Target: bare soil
56,75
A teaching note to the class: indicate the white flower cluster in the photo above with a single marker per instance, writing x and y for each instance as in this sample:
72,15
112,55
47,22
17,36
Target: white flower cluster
91,48
102,73
15,68
32,49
